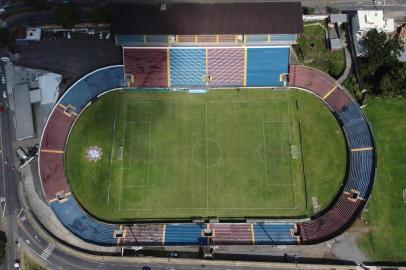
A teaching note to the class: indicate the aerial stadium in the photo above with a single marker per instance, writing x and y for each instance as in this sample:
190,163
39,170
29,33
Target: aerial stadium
201,136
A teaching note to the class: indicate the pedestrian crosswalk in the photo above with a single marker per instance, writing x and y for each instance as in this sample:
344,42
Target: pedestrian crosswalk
47,251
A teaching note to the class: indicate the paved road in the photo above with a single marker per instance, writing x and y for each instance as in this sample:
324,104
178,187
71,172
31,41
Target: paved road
8,179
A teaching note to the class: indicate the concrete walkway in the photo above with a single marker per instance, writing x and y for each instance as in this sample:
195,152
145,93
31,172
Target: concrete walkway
348,60
48,219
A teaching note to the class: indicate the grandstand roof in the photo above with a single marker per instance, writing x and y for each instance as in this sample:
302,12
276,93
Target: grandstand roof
208,18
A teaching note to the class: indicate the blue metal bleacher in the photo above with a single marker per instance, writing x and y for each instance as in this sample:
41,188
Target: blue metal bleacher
359,176
249,39
92,85
274,234
187,67
265,65
157,39
80,223
283,37
184,234
355,126
127,40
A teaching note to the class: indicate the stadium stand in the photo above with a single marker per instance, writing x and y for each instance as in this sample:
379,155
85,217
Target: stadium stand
184,234
338,99
332,223
143,234
361,167
326,225
355,126
274,234
56,132
231,234
93,84
226,66
147,67
187,67
311,79
52,172
265,65
80,223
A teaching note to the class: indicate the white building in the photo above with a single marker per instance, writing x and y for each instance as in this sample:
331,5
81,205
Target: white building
366,20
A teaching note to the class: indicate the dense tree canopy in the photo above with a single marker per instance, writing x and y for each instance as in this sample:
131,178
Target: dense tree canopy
66,15
382,72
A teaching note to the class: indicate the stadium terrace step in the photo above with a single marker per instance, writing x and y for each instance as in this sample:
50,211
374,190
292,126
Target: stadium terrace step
232,234
274,234
147,67
185,234
143,234
80,223
92,85
265,65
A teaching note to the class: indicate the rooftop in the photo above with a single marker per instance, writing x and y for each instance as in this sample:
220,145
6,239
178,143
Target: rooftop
208,18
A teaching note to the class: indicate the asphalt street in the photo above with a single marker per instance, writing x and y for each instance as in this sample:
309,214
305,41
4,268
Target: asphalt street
8,179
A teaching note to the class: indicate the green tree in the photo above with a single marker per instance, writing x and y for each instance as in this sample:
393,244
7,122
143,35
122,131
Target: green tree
101,14
66,15
381,70
4,38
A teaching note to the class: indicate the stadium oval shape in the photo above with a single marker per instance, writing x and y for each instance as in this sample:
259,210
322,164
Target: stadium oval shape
337,217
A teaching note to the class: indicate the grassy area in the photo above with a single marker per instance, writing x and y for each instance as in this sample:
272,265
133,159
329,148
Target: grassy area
386,215
226,153
30,264
324,151
312,51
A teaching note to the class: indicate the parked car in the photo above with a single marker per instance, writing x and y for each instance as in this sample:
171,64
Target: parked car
4,94
101,35
108,35
5,59
3,80
2,10
68,35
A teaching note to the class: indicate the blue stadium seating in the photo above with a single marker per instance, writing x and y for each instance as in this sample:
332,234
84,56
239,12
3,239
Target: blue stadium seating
187,67
92,85
72,216
283,37
264,66
157,39
256,39
184,234
355,126
274,234
127,40
360,172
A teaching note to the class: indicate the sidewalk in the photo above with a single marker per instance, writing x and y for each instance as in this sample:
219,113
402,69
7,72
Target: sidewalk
348,60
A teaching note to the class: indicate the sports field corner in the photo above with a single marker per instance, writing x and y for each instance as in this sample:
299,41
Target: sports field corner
228,153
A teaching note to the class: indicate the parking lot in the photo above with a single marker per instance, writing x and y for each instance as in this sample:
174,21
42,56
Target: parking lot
72,57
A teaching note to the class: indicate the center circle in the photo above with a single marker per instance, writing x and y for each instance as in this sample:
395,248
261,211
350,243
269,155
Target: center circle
207,153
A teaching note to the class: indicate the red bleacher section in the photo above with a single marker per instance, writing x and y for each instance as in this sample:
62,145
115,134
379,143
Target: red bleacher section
143,234
226,66
148,67
336,220
338,99
57,130
53,174
311,79
231,234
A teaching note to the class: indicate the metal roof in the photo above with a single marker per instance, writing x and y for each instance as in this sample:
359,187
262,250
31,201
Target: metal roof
23,111
208,18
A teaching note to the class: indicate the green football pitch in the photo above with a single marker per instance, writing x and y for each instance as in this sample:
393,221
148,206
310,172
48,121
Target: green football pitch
226,153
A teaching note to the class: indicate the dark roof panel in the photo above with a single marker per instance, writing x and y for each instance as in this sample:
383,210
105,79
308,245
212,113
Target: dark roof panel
208,18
